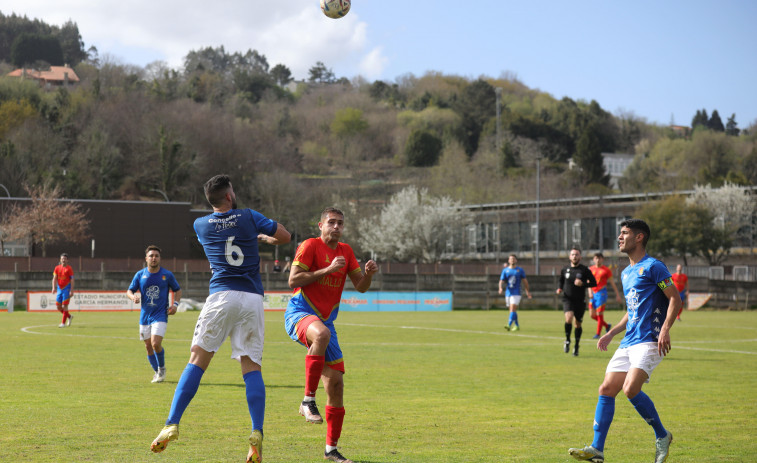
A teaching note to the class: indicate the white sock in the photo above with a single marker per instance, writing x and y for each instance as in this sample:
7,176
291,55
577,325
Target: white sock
308,399
330,448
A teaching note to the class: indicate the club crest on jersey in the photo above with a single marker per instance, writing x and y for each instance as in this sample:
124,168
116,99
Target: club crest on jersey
641,271
327,260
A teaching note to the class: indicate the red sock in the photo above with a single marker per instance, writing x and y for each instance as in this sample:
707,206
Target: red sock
313,368
65,316
334,420
600,323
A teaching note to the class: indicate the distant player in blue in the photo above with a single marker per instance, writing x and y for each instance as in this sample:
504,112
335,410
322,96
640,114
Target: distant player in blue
150,287
509,283
233,309
652,305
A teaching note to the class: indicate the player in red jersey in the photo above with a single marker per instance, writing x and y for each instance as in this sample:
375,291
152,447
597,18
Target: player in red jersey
318,274
598,294
63,287
681,281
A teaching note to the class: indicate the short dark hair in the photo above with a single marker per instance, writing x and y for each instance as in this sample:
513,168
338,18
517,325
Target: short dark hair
63,254
638,226
575,248
599,254
216,188
152,247
330,210
512,255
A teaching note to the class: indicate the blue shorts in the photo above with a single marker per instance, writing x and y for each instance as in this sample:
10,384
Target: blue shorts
296,311
599,299
683,295
63,295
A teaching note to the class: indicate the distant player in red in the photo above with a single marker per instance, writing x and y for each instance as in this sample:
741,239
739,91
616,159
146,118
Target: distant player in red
63,287
682,285
598,294
318,274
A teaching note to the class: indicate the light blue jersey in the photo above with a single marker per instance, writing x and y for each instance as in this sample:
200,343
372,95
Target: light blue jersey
230,241
512,276
643,286
153,288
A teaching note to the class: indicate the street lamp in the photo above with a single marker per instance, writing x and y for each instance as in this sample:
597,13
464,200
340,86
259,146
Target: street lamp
538,192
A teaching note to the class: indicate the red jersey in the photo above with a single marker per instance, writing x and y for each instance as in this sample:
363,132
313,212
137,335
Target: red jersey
602,275
324,295
680,280
64,275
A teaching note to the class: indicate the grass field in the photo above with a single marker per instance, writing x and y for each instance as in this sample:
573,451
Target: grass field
420,387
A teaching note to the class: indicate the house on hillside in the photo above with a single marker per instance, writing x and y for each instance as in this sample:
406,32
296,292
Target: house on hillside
57,76
615,165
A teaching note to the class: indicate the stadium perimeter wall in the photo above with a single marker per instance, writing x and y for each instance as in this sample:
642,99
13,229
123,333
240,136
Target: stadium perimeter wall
470,291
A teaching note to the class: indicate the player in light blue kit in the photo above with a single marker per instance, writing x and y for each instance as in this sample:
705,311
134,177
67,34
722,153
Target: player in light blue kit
152,284
234,308
652,305
509,283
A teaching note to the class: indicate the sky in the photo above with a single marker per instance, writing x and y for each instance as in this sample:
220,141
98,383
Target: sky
658,60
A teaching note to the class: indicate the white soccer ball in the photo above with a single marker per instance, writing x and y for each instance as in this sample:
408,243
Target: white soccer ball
335,9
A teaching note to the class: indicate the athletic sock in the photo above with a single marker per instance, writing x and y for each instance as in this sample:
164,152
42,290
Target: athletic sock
567,331
334,421
161,357
255,389
153,361
577,332
643,404
185,391
602,420
515,319
313,369
65,316
600,323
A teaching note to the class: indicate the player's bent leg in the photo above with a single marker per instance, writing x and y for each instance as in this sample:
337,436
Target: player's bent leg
255,455
167,434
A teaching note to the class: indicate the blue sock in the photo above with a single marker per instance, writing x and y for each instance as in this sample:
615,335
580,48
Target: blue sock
185,390
161,356
515,318
602,420
646,409
510,320
153,362
255,390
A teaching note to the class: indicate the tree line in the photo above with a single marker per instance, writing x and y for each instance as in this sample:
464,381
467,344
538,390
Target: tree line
155,133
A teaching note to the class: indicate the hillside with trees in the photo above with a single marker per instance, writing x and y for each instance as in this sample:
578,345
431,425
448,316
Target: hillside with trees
156,133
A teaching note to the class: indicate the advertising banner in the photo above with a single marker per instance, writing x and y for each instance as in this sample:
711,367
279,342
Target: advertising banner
6,301
82,301
396,301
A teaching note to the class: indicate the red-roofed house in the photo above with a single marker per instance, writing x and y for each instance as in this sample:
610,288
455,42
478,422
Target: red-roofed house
56,76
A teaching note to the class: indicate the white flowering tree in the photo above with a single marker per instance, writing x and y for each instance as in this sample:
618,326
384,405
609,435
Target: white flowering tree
412,227
731,208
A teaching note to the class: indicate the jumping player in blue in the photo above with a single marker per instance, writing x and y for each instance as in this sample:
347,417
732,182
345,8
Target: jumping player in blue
511,277
652,305
152,284
233,309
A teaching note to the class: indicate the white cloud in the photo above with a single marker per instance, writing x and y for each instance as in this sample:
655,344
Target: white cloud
294,33
373,64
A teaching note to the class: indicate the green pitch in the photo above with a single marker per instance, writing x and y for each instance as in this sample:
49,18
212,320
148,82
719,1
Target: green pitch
420,387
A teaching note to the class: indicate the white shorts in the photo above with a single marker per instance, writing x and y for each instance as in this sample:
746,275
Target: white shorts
156,329
237,315
643,356
512,300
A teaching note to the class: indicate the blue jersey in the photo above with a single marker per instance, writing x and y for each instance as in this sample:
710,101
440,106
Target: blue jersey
643,286
153,288
230,241
512,276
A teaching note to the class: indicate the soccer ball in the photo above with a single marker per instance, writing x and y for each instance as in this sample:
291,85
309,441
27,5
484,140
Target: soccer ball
335,9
